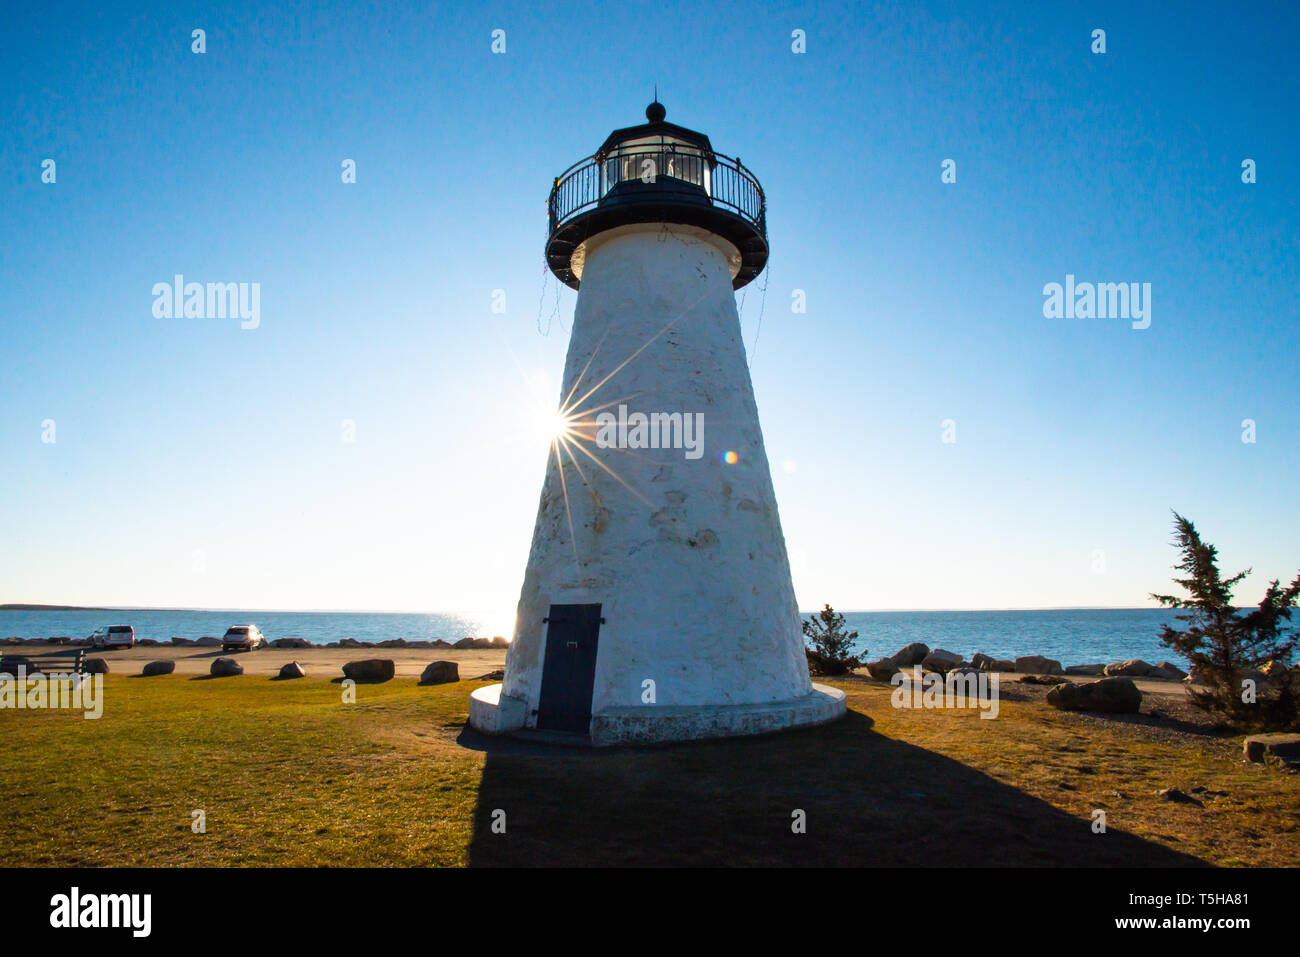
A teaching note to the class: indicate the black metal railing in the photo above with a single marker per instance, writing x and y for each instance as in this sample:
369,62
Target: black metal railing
724,181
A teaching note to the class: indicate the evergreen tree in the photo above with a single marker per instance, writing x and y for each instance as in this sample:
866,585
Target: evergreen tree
1227,649
831,644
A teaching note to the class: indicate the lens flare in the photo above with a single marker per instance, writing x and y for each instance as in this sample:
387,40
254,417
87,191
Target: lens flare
561,426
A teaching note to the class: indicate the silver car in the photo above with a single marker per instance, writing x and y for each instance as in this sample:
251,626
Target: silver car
116,636
242,638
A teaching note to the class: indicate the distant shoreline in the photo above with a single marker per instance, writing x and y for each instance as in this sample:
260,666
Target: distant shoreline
372,611
21,607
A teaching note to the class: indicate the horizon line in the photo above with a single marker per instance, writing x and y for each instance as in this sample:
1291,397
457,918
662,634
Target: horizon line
42,606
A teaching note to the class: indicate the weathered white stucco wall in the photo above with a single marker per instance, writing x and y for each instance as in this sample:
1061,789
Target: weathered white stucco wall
694,579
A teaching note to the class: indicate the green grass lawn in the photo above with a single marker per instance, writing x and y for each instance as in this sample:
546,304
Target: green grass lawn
285,773
289,775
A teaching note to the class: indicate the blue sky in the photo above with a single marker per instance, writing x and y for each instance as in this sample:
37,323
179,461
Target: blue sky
198,464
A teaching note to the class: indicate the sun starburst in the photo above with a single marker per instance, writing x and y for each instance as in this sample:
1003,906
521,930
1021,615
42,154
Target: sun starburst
572,430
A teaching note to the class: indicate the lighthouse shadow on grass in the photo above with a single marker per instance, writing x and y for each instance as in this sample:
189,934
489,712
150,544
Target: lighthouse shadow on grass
867,801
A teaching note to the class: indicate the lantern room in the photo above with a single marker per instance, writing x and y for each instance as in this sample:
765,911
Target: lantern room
657,172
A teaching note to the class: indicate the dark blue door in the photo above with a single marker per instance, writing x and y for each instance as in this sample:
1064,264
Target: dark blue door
569,668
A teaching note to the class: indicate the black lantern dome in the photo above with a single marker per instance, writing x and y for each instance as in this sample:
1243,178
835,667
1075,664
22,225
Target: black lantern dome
657,172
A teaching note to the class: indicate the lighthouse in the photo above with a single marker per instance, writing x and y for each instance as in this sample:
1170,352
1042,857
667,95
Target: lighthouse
657,603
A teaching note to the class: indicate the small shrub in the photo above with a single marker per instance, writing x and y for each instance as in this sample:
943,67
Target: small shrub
832,645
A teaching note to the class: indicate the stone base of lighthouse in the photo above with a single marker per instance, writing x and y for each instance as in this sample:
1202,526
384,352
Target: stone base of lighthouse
657,604
493,713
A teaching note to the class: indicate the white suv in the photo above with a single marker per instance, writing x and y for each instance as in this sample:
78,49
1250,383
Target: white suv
242,638
116,636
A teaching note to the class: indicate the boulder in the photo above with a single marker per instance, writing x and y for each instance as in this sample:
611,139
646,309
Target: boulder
1168,672
225,668
882,670
1093,670
147,642
1109,695
499,642
182,641
941,661
1037,665
370,670
1133,668
419,644
1042,680
95,666
392,643
158,668
1281,747
291,643
350,643
292,670
440,672
1001,664
439,643
208,641
981,661
913,654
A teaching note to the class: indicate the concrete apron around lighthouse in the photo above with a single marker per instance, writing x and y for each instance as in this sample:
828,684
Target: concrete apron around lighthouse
657,604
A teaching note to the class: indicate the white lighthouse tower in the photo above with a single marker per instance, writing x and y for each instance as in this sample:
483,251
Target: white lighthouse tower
657,604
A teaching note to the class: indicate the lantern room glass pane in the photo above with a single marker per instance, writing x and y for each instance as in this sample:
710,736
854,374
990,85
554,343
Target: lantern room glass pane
642,159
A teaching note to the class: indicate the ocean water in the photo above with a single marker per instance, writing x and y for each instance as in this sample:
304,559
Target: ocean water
1072,636
320,627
